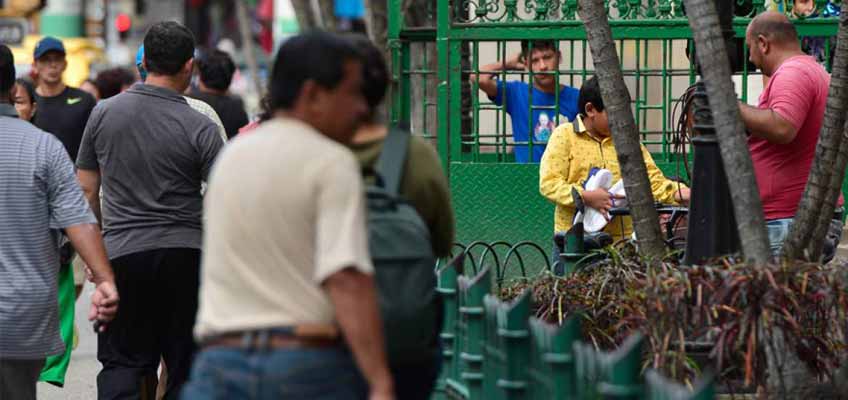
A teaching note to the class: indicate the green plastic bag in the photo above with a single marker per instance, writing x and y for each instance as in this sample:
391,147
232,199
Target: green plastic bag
55,367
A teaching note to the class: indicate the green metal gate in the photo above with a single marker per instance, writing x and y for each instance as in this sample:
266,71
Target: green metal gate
494,197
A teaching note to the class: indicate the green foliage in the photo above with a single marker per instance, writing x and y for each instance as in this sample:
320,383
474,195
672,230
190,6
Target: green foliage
724,307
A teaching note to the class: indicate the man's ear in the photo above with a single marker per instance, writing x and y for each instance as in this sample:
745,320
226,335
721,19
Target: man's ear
589,110
188,67
763,44
310,94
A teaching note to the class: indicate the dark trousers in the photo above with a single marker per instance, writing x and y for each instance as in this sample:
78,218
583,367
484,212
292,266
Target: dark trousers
156,313
18,377
417,381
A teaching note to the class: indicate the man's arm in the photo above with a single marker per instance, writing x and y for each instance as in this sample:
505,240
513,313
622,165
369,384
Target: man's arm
354,298
767,124
88,243
90,182
486,79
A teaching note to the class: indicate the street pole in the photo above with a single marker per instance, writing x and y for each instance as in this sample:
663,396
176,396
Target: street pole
248,47
712,230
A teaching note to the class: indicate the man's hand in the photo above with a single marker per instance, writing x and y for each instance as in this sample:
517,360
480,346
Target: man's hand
382,391
599,199
354,298
104,303
515,63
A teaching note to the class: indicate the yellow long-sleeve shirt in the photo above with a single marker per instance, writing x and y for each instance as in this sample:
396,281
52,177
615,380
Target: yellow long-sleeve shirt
566,163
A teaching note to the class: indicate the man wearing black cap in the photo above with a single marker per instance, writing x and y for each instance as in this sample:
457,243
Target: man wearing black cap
41,196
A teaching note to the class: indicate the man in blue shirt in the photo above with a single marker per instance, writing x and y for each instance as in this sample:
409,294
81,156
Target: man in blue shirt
519,99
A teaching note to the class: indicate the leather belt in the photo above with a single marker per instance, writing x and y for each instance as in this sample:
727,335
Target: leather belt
277,338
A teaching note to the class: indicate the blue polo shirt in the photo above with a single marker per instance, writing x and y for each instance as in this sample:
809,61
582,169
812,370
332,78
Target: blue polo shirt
517,96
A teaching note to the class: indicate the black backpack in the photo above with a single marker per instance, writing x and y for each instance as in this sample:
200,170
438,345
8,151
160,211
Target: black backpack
399,242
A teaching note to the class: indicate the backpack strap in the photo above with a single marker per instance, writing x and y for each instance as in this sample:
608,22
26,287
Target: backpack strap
392,158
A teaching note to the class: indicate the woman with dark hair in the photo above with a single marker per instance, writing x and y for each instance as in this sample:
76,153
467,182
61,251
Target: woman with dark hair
423,184
23,95
113,81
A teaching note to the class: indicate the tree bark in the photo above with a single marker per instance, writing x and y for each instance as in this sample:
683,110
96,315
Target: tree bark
806,235
715,68
625,135
303,13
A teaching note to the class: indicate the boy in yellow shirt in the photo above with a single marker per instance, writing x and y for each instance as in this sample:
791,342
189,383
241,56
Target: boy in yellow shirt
585,143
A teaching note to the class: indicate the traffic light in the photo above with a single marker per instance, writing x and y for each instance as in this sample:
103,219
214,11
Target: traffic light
123,24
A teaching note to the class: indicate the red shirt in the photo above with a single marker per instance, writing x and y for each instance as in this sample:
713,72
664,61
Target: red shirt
797,91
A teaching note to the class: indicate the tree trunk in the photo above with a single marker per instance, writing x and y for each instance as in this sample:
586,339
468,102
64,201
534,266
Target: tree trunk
806,236
715,68
314,14
303,13
624,132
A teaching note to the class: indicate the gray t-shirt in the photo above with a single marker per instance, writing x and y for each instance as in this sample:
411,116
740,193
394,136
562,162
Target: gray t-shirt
153,151
39,195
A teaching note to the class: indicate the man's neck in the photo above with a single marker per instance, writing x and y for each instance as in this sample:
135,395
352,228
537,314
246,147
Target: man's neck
783,56
369,133
205,89
165,81
546,89
50,89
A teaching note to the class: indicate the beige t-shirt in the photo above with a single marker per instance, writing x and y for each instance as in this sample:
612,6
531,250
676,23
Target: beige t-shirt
285,210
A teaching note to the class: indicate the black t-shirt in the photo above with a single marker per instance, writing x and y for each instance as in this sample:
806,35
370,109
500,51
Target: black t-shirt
65,116
229,108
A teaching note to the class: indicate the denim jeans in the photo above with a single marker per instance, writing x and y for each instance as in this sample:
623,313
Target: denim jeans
297,373
777,229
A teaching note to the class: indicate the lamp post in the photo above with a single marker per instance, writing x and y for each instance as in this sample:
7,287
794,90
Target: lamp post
712,225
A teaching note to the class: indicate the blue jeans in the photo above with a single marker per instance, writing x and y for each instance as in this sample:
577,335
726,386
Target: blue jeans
234,373
777,229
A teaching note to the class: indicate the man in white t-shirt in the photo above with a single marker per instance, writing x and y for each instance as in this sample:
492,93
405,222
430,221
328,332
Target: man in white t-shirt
287,302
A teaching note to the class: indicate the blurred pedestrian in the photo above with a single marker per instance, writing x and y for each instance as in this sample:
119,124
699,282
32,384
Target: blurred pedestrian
24,98
424,185
90,87
112,81
62,111
41,197
215,71
152,151
288,307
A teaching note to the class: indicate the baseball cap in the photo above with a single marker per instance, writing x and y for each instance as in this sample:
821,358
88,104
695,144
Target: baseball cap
139,58
49,43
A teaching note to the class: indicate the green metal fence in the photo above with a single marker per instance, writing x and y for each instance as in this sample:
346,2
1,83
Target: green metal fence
496,198
495,350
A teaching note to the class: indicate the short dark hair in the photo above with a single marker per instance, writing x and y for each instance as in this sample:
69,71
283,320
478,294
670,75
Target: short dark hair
590,92
27,85
375,71
167,47
7,69
780,30
110,82
318,56
546,44
216,69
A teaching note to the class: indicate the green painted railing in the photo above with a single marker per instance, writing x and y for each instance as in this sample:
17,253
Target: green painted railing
496,199
495,350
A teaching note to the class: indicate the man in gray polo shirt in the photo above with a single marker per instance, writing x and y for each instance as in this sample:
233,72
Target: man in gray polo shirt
152,151
39,196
